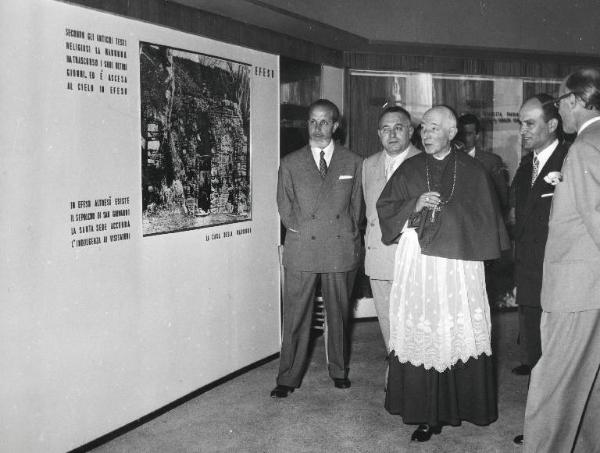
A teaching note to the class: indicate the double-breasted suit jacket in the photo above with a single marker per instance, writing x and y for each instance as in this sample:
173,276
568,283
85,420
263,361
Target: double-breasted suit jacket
322,244
379,258
321,214
532,212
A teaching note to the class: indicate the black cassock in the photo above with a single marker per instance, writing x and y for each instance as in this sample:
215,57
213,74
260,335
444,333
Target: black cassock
468,227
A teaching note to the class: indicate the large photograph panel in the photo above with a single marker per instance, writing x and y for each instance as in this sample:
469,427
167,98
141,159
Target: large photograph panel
195,114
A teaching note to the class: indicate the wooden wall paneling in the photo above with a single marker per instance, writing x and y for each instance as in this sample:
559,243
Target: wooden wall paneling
470,62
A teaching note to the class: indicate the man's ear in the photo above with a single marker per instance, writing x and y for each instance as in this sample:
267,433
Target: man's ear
552,125
452,132
335,126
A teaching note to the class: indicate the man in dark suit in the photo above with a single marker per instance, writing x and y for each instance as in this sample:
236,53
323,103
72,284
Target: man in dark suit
469,129
319,199
533,191
540,129
563,404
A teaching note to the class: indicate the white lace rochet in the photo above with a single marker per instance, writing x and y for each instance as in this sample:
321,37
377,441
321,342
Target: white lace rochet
439,311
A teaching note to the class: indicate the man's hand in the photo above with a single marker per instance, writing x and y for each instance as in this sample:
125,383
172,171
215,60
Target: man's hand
427,200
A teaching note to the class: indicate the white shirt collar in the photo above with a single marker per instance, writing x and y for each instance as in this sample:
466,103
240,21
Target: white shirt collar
471,152
545,154
316,152
587,123
393,162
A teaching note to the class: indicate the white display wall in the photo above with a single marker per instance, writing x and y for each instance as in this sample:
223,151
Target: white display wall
101,323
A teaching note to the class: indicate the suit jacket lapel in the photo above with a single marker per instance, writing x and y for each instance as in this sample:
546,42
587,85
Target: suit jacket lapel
379,171
554,163
379,165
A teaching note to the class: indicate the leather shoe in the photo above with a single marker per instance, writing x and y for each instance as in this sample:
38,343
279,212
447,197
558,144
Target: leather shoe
518,440
341,383
522,370
424,432
281,391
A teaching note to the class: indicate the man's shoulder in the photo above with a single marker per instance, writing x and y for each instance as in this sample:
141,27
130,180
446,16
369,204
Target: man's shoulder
373,158
562,149
487,156
415,159
411,166
347,154
589,137
472,165
295,156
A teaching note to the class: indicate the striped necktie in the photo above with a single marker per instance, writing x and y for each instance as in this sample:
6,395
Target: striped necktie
322,165
536,168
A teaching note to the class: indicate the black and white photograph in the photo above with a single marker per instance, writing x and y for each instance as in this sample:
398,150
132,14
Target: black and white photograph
195,140
277,226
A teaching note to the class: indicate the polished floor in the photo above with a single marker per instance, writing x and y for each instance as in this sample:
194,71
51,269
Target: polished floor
239,416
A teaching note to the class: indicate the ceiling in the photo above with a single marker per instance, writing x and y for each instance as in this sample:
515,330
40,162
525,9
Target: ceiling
550,26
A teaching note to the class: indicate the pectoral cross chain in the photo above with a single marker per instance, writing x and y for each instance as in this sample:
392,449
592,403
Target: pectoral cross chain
436,208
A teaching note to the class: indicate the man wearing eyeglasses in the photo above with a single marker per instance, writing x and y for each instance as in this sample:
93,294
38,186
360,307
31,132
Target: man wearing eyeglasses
319,199
395,131
533,190
563,404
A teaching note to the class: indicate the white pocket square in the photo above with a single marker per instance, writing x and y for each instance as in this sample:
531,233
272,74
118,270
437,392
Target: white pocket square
544,195
345,177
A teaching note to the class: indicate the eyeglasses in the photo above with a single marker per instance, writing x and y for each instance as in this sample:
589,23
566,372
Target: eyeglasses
397,129
556,101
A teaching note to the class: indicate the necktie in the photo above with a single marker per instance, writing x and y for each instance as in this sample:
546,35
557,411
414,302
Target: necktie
536,167
322,165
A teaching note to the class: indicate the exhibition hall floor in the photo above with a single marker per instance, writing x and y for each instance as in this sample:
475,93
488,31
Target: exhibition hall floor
239,415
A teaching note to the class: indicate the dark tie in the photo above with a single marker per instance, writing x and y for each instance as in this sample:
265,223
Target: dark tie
536,168
322,165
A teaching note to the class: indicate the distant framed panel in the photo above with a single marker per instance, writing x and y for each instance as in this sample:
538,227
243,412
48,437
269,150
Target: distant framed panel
195,120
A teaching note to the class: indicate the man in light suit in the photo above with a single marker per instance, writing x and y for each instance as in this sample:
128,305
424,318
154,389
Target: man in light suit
563,405
469,129
540,129
319,200
395,131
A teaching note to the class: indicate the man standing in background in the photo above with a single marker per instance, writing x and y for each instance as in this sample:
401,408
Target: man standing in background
395,131
563,404
319,200
469,129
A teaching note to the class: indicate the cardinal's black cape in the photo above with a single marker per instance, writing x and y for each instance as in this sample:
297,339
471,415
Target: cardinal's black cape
470,227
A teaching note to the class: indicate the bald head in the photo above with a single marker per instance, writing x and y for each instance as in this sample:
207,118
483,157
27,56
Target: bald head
537,131
444,113
438,130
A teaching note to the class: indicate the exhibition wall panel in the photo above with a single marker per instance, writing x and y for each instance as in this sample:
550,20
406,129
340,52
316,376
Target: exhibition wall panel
139,227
